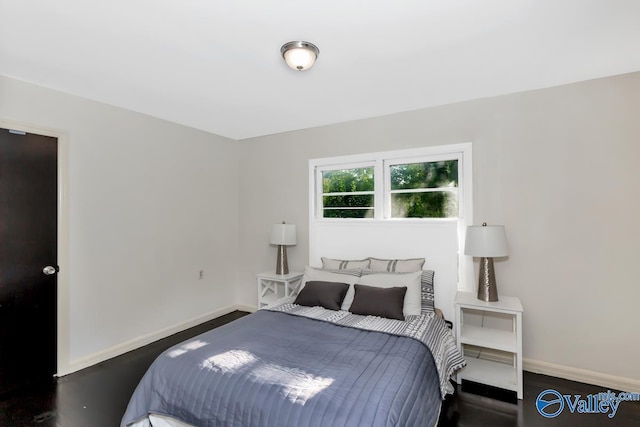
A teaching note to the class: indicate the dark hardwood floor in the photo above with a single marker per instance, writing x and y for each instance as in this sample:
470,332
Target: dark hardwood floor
97,396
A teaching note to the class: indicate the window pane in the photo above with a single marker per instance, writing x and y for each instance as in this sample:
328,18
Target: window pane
348,201
347,213
432,204
337,182
347,180
424,175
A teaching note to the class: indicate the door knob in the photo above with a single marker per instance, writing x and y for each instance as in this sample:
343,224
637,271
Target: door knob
49,270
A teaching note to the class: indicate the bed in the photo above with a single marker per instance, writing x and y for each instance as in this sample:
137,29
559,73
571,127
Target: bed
334,355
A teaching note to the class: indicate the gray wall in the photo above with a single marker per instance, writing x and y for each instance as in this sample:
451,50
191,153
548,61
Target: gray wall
156,202
558,167
151,203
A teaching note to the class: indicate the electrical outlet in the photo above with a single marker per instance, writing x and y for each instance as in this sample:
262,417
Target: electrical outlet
201,276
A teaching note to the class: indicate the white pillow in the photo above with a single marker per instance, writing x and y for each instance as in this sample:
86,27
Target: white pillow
412,299
312,274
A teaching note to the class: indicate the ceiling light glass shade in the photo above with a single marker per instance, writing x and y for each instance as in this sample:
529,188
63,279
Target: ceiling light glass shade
299,55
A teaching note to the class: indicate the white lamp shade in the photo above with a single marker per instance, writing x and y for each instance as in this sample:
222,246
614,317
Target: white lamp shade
300,58
486,241
283,234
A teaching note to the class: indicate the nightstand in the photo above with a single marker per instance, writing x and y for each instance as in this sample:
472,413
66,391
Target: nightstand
500,328
272,287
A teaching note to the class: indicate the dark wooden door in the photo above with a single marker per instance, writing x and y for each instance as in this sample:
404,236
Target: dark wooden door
28,243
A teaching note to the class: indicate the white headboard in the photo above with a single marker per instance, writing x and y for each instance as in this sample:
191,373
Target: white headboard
436,241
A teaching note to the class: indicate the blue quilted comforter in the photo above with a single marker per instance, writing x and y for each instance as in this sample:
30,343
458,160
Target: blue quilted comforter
277,369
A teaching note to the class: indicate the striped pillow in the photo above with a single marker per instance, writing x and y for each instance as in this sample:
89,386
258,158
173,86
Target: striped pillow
427,291
396,265
344,264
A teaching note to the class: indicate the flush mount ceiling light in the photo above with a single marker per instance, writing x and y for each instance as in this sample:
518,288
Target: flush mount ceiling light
299,55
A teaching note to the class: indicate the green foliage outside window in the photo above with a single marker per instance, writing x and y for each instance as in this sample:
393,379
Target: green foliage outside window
424,175
437,204
335,183
347,180
418,190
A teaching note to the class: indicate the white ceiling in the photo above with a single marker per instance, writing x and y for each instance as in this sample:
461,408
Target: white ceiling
216,65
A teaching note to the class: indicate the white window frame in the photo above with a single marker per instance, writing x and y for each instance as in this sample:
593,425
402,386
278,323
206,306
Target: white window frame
319,191
419,159
381,161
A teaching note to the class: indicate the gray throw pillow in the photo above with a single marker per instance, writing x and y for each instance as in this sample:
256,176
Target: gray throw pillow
324,294
382,302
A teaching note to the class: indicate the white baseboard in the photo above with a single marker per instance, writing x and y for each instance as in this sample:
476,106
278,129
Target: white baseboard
117,350
582,375
249,308
561,371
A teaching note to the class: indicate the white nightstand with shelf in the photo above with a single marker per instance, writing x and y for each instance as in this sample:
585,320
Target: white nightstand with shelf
502,375
272,287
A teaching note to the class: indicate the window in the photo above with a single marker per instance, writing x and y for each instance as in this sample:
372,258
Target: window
410,184
423,190
348,193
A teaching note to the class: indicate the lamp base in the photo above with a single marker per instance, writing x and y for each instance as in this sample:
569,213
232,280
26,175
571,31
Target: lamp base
487,290
282,267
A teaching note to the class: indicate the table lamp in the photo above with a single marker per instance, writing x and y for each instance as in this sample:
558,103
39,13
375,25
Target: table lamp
283,235
486,242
